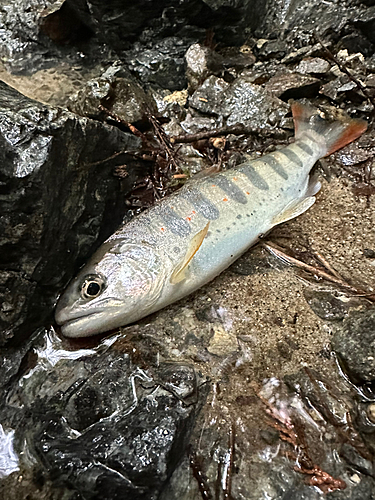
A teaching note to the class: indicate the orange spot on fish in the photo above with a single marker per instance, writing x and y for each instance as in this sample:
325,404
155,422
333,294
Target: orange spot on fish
193,212
225,199
213,185
234,178
247,192
162,229
188,218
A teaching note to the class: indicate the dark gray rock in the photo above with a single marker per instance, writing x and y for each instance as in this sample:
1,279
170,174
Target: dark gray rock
289,85
354,343
241,102
58,197
38,35
353,458
326,305
97,423
117,91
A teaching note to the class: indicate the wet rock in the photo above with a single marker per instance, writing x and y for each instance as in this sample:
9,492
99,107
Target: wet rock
99,424
287,86
352,457
354,343
201,62
238,103
324,395
37,35
117,91
163,64
340,88
45,230
268,49
326,305
313,65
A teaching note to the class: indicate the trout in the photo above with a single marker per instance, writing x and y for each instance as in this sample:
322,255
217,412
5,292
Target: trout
188,238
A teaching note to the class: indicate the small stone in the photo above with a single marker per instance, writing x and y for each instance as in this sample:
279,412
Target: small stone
371,412
314,65
325,305
354,343
369,253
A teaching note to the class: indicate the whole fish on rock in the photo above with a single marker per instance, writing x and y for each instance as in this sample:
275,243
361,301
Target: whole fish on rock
188,238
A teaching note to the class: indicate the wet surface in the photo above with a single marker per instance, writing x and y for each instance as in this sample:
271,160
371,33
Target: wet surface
261,384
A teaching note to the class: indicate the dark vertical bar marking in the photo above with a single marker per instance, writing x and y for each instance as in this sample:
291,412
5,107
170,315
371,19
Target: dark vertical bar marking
305,148
200,203
275,165
254,177
230,189
174,222
293,157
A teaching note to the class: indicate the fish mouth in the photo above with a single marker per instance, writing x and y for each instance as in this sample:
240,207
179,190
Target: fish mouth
85,325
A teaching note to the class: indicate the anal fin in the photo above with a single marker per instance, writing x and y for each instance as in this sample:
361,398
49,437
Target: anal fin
180,270
293,209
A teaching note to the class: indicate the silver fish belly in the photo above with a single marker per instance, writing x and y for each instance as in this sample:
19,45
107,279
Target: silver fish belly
187,239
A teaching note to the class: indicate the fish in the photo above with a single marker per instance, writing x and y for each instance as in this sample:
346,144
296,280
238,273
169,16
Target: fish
188,238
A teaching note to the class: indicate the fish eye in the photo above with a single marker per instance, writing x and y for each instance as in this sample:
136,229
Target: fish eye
92,286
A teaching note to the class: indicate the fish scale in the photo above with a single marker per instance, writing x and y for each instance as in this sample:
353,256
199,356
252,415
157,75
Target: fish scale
187,239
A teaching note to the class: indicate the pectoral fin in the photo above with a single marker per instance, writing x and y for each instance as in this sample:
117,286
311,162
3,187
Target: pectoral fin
180,270
293,209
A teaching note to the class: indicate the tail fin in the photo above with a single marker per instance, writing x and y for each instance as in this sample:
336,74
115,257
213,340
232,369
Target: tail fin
331,135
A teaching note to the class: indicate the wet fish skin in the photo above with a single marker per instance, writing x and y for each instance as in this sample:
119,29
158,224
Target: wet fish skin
187,239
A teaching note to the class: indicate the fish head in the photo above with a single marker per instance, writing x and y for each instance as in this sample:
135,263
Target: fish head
120,284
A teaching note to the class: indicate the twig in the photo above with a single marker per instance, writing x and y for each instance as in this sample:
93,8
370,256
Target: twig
207,134
278,252
327,265
229,464
199,475
345,70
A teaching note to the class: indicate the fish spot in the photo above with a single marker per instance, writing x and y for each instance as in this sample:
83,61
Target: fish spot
201,204
218,231
225,199
162,229
239,216
254,177
176,250
230,189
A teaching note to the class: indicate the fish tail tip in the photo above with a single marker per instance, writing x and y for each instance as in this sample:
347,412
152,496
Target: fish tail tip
336,134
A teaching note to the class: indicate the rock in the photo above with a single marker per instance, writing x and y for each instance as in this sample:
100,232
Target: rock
326,305
163,64
269,49
352,457
101,425
313,65
201,62
287,86
38,35
336,89
46,231
241,102
117,91
354,344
